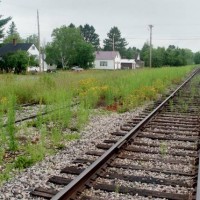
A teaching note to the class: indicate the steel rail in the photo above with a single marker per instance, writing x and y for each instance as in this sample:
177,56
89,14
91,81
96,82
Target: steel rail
69,191
40,114
198,183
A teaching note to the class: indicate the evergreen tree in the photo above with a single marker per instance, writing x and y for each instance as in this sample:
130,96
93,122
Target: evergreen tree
3,22
115,39
72,26
12,34
89,35
12,29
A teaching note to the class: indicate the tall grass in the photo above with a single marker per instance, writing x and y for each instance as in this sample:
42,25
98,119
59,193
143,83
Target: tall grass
119,90
10,128
88,85
91,89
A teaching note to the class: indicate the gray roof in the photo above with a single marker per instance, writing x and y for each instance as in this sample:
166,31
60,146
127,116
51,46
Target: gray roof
106,55
10,48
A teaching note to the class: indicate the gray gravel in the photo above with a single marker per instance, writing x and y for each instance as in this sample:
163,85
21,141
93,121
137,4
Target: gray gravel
101,195
95,132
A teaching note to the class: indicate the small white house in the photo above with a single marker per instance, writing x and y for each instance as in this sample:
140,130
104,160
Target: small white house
107,60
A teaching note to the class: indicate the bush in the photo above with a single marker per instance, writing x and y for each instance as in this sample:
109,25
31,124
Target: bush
17,62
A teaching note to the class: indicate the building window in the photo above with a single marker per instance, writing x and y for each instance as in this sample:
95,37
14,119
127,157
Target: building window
103,63
33,47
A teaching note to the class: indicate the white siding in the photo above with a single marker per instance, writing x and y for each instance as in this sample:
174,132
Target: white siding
110,64
33,51
118,62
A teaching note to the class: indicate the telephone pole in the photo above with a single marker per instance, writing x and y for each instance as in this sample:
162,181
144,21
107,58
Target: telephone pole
38,22
150,51
113,42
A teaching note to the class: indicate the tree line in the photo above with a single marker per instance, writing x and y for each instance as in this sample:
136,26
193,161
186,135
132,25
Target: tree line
73,45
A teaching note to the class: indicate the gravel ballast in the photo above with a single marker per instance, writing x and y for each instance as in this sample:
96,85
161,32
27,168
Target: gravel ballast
97,130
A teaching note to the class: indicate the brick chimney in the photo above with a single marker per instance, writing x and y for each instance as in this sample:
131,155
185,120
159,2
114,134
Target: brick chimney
14,41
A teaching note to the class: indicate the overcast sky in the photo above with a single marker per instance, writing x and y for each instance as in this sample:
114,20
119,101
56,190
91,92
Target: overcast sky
175,22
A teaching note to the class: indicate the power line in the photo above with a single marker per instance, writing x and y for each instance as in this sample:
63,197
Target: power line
135,38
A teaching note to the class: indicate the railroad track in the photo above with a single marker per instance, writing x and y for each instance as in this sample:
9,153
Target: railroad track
25,112
153,156
33,110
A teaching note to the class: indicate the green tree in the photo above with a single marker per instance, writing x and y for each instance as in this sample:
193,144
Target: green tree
197,58
12,34
10,38
175,56
131,52
65,50
5,64
32,39
52,57
72,26
89,35
114,37
145,53
85,55
12,29
189,56
3,22
158,57
170,55
17,62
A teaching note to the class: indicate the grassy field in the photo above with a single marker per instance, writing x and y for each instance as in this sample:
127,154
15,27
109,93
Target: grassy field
119,91
107,86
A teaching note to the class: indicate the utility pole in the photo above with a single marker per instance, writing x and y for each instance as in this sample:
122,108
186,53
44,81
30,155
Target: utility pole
113,42
39,40
150,52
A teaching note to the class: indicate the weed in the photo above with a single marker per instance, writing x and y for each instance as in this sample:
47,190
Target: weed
56,136
73,136
171,105
82,116
60,146
163,148
5,174
12,142
117,188
32,123
36,151
23,162
2,152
